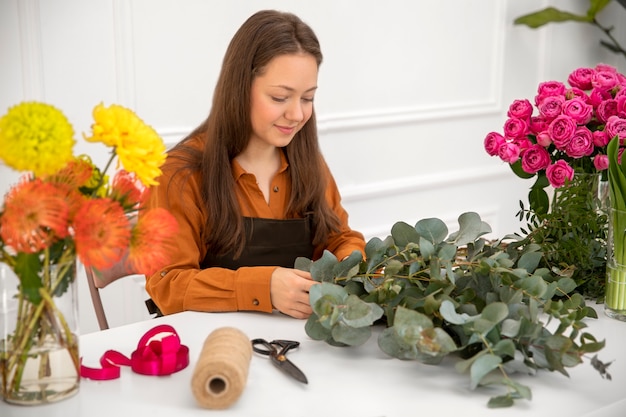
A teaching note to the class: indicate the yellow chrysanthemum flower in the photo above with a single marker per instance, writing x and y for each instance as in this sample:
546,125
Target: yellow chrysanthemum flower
139,148
36,137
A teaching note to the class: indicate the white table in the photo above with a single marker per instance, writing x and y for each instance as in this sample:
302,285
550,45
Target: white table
359,381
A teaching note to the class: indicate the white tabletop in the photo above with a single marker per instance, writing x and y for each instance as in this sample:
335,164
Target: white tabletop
358,381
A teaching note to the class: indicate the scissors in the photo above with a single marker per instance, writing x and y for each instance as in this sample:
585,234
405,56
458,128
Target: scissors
276,350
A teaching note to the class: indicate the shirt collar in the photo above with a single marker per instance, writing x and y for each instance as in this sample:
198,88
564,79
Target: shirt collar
238,171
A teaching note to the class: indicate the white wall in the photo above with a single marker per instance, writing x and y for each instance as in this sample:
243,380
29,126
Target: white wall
408,90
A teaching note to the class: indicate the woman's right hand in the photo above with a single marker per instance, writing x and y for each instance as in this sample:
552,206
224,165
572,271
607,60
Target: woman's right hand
289,291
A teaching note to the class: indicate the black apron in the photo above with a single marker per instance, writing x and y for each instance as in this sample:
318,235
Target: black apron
269,242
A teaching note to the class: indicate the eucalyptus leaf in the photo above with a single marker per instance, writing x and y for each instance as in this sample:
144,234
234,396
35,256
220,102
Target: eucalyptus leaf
303,264
322,270
359,313
351,336
403,234
448,312
427,249
434,230
471,228
482,367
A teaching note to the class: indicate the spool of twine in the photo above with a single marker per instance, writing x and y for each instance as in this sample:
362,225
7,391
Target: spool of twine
221,372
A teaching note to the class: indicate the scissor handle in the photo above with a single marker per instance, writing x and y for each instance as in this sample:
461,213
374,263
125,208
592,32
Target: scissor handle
269,348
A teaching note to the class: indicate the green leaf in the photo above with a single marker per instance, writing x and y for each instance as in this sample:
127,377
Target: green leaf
351,336
303,264
426,248
448,312
482,367
529,261
596,6
471,228
348,267
432,229
538,200
549,15
322,270
517,169
534,285
358,313
500,401
28,268
315,330
403,234
495,312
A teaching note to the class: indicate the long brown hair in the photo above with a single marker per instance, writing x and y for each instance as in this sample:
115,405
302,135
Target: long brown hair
228,128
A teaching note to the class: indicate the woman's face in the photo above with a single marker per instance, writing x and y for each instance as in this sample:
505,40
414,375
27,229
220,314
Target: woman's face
282,99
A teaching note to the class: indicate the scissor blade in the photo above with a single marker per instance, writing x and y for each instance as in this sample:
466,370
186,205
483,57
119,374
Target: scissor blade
288,367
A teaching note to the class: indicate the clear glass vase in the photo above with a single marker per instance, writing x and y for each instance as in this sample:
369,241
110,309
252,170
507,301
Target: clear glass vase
39,358
615,297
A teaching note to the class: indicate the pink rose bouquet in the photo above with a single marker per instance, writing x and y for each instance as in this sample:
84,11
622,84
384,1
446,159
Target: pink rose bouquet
570,132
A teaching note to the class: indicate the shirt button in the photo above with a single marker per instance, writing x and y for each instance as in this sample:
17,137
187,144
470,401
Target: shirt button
163,273
255,302
276,189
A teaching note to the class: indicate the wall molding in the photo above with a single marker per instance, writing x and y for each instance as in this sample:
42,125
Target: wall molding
124,53
341,122
32,52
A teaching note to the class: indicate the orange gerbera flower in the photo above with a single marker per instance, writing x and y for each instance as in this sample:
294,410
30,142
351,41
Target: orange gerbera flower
102,233
35,215
150,244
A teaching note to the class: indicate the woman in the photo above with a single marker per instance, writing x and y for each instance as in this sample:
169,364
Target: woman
249,187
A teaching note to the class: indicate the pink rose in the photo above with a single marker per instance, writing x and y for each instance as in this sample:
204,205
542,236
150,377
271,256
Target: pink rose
597,96
605,67
616,126
621,105
537,124
523,144
600,138
544,139
581,78
509,152
492,143
578,110
559,172
521,109
561,131
551,88
604,80
535,159
581,143
606,109
601,162
551,106
515,128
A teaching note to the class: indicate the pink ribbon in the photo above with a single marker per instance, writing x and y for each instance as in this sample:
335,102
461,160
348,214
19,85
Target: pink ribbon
152,357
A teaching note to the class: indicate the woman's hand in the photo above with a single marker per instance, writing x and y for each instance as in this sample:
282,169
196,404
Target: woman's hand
289,291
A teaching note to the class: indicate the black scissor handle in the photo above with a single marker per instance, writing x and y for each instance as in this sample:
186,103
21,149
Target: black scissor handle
269,348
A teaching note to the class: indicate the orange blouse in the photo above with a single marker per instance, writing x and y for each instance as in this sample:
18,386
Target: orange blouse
183,285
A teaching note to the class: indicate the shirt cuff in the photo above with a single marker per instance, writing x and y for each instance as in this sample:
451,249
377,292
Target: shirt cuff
253,288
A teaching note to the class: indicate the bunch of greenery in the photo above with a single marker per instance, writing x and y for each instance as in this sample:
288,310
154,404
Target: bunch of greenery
553,15
573,233
435,295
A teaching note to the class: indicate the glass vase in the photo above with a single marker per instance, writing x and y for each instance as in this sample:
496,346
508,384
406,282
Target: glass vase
615,297
39,359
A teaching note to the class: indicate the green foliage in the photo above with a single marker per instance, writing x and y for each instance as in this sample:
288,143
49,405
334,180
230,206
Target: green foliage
572,234
440,294
552,15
